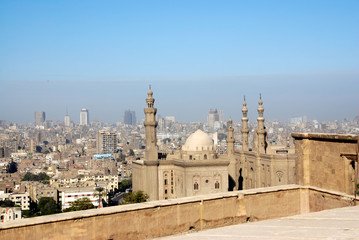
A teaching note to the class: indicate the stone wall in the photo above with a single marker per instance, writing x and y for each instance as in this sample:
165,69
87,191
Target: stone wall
167,217
326,161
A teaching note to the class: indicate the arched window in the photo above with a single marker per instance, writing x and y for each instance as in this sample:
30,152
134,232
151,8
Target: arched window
195,186
165,181
205,156
190,157
216,185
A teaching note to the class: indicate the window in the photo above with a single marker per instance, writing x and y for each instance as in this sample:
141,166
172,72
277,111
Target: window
205,156
216,185
195,186
165,191
165,181
190,157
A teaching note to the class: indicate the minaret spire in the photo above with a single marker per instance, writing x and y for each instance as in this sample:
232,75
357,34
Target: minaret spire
245,129
260,128
150,123
230,138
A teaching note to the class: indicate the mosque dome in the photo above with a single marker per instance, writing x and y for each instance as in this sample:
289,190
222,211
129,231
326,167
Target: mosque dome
198,141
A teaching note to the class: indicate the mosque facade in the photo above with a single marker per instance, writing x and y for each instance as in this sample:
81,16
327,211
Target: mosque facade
196,169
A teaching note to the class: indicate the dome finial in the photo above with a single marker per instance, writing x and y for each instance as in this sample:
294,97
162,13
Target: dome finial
260,99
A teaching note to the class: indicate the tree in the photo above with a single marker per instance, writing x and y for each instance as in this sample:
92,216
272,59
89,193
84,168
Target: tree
12,167
33,177
125,184
122,157
132,153
33,212
134,197
80,204
99,192
7,203
47,205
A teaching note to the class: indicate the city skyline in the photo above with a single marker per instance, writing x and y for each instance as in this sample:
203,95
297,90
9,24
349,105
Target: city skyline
303,56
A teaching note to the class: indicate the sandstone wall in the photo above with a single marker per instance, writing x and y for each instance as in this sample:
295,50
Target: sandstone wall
325,161
167,217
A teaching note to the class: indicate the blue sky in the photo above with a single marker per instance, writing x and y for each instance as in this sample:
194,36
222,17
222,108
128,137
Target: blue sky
303,56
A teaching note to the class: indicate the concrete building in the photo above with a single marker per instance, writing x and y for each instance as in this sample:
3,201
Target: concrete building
129,117
21,199
106,142
67,121
8,214
212,118
84,117
68,196
39,118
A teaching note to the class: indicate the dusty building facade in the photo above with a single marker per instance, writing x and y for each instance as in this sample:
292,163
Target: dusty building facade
196,169
260,166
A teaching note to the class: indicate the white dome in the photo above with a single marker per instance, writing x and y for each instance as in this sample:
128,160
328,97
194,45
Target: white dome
198,141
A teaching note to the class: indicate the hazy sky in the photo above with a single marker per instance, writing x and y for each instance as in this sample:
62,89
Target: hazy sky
303,56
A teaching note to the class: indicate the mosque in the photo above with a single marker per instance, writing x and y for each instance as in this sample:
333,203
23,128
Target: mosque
196,169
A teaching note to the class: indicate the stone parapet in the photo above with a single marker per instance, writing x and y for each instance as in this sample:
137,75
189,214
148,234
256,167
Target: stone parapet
167,217
327,137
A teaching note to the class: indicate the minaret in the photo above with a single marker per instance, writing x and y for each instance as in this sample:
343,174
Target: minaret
230,139
245,129
151,152
260,128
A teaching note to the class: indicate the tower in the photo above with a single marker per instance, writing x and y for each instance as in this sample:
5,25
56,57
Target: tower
150,123
260,131
230,139
129,117
39,118
245,129
84,117
212,118
67,121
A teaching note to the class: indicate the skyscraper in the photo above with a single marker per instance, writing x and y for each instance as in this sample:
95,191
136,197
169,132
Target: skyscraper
67,121
213,117
39,118
130,117
84,117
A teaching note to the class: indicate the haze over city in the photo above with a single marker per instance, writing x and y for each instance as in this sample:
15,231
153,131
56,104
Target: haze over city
303,56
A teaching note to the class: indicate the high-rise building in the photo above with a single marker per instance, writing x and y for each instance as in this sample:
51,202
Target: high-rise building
67,121
129,117
106,142
84,117
213,117
39,118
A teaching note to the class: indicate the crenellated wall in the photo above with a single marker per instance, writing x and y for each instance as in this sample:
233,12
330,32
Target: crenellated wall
167,217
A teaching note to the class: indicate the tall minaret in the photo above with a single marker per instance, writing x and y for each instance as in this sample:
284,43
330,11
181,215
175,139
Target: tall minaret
245,129
260,128
151,152
230,139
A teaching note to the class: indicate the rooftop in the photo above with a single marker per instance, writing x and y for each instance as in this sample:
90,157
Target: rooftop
339,223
